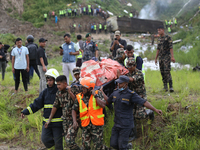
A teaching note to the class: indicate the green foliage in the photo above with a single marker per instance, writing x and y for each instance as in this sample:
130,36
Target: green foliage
8,39
34,10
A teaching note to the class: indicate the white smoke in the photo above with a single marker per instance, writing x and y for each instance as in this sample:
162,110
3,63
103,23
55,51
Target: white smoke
147,12
150,11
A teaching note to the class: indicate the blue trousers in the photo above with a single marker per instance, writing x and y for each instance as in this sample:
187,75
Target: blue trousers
119,138
52,137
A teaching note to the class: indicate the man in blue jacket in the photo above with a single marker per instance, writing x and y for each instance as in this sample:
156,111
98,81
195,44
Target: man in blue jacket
51,136
68,50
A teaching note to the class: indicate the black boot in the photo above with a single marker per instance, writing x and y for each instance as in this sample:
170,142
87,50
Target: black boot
171,86
165,87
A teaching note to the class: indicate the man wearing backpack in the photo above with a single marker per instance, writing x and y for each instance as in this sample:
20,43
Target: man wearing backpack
90,49
32,48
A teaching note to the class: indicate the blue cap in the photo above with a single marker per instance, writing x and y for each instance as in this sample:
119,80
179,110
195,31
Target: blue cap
123,79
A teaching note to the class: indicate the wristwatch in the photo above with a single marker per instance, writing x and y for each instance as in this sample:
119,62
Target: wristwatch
120,44
95,96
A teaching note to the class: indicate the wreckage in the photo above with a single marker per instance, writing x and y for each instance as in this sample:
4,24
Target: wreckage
133,25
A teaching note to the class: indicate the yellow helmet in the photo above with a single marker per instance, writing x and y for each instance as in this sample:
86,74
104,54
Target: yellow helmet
52,73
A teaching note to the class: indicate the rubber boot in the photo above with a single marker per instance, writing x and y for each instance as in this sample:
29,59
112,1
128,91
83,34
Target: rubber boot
171,86
165,87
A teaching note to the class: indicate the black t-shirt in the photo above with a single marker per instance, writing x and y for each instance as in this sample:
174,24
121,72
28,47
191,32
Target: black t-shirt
41,53
122,42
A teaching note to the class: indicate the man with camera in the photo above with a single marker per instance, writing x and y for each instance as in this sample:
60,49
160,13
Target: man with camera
117,43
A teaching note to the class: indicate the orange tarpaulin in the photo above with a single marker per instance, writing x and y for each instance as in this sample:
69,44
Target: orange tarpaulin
103,71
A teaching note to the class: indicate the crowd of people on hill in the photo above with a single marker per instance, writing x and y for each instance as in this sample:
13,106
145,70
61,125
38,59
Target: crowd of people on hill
76,12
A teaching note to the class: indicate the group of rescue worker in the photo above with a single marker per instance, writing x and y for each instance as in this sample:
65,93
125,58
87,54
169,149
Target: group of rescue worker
168,24
80,106
91,27
77,11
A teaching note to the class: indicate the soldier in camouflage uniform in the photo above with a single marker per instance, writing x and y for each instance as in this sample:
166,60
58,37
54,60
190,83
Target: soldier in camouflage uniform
90,49
65,98
120,56
76,86
91,131
166,55
137,84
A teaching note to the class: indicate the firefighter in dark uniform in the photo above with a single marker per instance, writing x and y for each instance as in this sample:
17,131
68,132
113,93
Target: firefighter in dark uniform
51,136
166,55
124,100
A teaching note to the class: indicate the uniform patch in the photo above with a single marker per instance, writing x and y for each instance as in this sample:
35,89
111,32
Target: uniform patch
132,92
114,97
124,99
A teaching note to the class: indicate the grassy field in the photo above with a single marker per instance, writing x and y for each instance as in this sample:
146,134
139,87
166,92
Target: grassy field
177,128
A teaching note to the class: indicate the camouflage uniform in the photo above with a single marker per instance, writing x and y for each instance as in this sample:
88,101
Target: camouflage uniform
164,46
138,86
76,87
64,100
119,55
89,50
91,132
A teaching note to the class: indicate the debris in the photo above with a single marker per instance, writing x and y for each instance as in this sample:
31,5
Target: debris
197,68
177,41
126,11
129,4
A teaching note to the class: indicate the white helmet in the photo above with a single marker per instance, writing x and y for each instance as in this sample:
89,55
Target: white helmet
52,73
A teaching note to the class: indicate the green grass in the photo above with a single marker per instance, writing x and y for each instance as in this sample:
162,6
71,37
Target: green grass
190,37
177,129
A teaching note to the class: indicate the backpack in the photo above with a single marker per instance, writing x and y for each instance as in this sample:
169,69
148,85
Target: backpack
32,48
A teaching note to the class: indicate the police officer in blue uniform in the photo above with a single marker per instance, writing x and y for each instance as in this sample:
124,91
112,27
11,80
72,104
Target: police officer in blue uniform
124,100
51,136
90,49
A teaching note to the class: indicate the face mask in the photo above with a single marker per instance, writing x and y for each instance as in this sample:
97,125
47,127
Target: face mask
121,89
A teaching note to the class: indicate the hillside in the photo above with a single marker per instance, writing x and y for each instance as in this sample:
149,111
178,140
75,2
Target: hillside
33,11
176,129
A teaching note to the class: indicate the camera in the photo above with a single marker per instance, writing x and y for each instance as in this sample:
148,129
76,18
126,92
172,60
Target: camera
60,47
115,38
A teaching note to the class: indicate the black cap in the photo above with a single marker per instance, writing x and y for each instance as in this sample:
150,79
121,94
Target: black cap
123,79
160,27
18,39
42,40
0,43
87,35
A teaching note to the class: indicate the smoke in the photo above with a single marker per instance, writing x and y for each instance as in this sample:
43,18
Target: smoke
150,11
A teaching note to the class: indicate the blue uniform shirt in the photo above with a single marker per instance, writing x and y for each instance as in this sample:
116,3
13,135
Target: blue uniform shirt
67,48
124,102
139,62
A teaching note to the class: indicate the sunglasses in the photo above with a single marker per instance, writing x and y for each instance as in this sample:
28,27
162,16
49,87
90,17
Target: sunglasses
76,71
